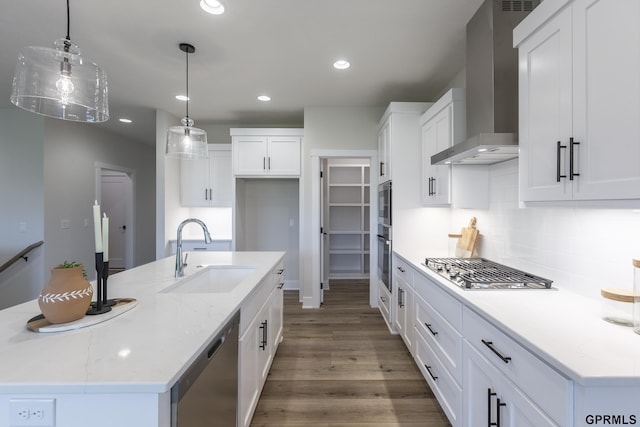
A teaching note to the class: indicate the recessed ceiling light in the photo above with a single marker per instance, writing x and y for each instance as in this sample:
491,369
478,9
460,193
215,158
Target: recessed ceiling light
264,98
214,7
182,98
482,150
123,120
341,64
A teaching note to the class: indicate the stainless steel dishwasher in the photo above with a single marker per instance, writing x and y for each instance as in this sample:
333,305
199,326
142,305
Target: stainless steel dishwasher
207,394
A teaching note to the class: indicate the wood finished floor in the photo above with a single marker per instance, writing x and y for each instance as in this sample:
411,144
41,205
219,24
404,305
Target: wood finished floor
340,366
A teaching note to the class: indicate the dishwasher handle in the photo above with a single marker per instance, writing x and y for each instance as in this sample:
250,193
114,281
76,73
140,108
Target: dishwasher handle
216,346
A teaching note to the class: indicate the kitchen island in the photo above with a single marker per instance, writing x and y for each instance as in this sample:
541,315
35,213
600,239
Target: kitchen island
120,372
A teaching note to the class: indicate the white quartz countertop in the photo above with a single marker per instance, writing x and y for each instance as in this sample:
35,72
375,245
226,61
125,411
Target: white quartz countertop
562,328
144,350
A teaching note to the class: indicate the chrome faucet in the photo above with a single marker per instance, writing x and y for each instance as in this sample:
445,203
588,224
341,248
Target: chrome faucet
180,263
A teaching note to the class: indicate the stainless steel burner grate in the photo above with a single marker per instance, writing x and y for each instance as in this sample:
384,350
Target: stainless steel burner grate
480,273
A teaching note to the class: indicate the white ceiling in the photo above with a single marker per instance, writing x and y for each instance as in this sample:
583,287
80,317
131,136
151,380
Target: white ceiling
400,50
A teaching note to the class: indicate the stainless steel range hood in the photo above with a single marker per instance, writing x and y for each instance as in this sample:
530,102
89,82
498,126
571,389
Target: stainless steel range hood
492,86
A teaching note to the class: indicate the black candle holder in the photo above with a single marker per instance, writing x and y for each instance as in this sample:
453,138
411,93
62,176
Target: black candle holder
98,307
105,275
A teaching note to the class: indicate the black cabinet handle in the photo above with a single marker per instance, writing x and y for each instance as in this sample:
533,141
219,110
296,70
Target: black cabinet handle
498,405
572,144
280,271
490,394
210,194
431,373
264,163
402,270
400,297
430,186
381,168
428,325
263,342
383,299
489,344
269,163
558,176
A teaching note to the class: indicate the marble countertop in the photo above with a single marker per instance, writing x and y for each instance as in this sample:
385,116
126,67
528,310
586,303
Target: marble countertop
562,328
143,350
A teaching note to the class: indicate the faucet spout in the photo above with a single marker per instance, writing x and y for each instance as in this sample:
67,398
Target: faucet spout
180,263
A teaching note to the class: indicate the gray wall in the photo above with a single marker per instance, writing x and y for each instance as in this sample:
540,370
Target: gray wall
21,203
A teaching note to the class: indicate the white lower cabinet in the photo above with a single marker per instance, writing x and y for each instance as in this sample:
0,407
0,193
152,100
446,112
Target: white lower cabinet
492,364
492,400
260,333
385,306
403,292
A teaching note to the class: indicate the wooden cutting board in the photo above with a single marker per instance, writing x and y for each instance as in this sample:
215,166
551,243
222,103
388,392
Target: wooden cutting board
466,240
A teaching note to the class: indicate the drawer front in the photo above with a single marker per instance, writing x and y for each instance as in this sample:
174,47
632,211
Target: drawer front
403,270
444,387
445,341
384,303
546,387
254,302
447,305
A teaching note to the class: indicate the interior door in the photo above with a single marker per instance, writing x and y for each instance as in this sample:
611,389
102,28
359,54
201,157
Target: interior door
324,226
114,199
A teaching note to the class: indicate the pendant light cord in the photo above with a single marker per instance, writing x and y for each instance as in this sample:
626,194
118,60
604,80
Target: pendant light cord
186,53
67,43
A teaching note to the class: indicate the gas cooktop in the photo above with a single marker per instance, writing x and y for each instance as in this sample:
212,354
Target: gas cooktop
480,273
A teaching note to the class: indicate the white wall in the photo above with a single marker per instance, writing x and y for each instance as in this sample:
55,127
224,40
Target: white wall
71,151
580,249
329,128
21,202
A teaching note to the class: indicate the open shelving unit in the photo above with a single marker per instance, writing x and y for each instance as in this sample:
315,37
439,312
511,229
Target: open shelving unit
348,219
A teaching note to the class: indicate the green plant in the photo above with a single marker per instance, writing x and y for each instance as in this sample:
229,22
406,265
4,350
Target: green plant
72,264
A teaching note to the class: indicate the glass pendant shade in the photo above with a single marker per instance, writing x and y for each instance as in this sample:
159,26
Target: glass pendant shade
187,142
59,83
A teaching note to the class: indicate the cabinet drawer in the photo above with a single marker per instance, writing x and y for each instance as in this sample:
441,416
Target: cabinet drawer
254,302
539,381
445,341
448,306
403,270
444,387
384,302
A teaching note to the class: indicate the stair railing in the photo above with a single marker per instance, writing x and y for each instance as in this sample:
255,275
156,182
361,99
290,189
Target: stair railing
21,255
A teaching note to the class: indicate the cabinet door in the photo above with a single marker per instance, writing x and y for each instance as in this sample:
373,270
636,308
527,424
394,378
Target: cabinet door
519,410
277,311
436,179
384,153
220,178
249,155
481,389
194,182
545,111
283,155
248,376
606,105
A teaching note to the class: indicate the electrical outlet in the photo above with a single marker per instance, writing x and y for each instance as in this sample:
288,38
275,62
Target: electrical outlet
32,412
65,224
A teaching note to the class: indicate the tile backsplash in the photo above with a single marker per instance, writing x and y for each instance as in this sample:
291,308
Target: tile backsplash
580,249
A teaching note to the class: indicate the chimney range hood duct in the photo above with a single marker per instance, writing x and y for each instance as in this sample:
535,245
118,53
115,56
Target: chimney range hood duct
492,86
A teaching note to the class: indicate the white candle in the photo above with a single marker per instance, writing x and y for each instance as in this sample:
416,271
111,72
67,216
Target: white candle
96,227
105,237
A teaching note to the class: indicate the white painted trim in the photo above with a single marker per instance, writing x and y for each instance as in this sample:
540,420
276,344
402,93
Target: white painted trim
266,132
130,241
316,156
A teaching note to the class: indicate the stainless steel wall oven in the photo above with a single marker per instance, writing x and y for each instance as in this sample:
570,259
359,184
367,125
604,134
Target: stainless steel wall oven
384,234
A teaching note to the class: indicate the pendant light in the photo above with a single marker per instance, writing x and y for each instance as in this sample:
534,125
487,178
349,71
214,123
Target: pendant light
187,142
57,82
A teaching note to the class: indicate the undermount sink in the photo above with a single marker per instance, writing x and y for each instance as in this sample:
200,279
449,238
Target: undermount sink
212,279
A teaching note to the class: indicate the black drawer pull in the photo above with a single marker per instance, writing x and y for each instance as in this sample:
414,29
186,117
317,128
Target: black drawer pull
572,144
430,373
428,325
489,344
402,270
558,176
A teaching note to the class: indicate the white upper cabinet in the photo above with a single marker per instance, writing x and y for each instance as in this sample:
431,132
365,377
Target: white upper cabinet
384,153
207,182
266,152
579,101
443,124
